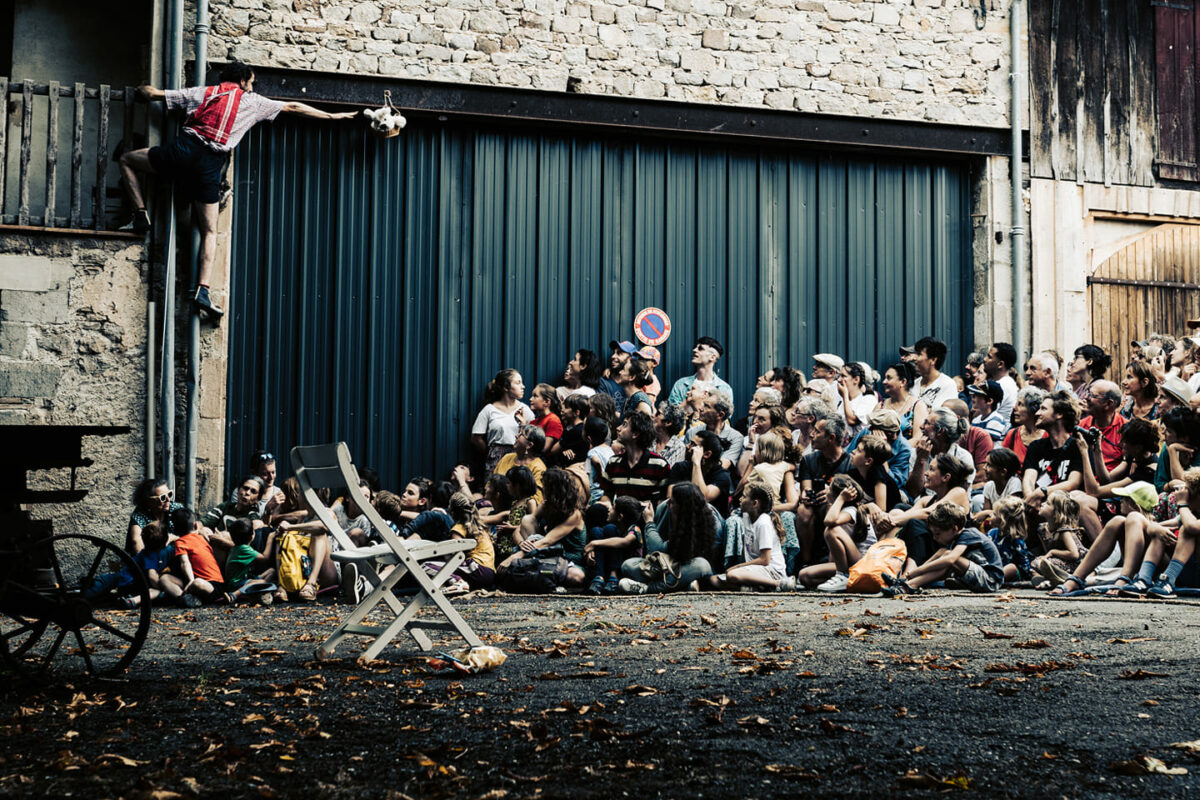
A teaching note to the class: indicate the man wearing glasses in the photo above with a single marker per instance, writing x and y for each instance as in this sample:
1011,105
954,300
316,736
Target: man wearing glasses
704,358
1103,399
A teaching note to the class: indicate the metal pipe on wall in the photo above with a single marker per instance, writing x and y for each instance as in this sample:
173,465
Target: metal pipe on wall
1017,234
173,80
151,352
193,377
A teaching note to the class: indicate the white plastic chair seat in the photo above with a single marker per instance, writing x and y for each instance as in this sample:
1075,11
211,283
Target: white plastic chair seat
423,551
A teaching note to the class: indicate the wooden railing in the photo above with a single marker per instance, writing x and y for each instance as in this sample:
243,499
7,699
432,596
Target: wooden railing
89,176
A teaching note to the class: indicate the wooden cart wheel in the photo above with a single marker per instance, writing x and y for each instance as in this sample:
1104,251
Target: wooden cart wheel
58,617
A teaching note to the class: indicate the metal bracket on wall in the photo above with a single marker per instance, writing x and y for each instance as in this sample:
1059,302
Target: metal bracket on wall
1195,287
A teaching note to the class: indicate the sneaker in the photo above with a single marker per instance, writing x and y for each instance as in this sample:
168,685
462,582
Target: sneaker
611,585
189,601
630,586
788,584
835,584
140,224
350,584
1137,588
205,305
1162,591
597,585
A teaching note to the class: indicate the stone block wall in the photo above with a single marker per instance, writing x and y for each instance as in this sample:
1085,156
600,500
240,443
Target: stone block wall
73,352
934,60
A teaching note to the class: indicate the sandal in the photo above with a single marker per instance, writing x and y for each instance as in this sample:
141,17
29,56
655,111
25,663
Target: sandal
1120,583
308,593
1061,589
900,586
280,595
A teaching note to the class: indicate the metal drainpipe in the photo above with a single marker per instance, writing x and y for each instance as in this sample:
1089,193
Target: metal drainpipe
151,352
1017,234
174,80
193,378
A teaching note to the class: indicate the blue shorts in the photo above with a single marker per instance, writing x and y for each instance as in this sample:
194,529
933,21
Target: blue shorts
195,169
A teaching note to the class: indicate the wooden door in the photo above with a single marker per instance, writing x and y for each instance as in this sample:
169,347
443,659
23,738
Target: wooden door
1152,285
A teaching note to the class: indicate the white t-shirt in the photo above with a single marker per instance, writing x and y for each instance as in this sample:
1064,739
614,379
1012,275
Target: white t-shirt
500,427
1013,487
1010,397
938,392
564,392
862,406
761,535
871,538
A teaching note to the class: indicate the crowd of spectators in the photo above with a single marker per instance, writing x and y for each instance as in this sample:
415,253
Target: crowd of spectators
1048,473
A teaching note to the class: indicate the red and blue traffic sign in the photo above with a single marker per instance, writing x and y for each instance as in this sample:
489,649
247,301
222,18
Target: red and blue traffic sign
652,326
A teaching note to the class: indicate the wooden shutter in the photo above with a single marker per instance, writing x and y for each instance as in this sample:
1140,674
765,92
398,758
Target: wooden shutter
1176,28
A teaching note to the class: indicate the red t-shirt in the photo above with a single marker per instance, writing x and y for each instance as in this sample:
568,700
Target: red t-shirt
1014,442
200,554
551,424
1110,439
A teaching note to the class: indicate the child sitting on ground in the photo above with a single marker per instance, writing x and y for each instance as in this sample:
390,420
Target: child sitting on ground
522,488
247,571
1185,545
848,533
1062,542
1004,480
963,552
596,431
150,560
195,575
1009,534
764,566
610,545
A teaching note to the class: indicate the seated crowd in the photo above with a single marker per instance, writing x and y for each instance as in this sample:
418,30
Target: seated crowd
603,484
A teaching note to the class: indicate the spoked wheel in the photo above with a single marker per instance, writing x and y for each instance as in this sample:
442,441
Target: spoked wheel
59,617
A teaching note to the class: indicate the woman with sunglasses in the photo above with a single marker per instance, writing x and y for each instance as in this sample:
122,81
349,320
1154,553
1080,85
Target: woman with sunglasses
153,501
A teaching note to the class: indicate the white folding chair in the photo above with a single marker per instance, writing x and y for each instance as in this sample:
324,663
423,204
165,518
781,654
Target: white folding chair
329,467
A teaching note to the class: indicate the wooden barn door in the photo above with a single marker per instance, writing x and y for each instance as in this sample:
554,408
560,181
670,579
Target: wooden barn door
1152,285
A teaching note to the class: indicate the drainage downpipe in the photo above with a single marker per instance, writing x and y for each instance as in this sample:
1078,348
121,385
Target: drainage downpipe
151,353
174,80
193,377
1017,234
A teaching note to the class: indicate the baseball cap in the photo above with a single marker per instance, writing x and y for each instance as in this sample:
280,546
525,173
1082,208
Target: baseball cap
884,419
1142,493
1178,388
990,389
829,360
626,346
650,354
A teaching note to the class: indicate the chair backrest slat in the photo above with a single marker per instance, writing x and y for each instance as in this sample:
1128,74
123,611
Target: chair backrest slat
328,466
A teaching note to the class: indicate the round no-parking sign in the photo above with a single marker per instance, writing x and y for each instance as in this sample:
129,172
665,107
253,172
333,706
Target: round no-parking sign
652,326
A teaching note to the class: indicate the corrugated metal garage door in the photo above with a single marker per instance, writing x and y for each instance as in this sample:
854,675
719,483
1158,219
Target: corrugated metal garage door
378,285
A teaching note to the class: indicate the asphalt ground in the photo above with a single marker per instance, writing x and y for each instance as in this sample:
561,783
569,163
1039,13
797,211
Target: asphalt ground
699,695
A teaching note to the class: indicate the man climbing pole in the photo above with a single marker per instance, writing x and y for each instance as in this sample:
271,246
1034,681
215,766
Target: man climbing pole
217,119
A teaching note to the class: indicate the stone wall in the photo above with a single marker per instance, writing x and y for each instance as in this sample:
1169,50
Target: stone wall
73,352
933,60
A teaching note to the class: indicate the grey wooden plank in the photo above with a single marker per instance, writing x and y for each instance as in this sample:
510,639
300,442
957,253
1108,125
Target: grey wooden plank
76,220
3,140
1143,130
101,157
25,153
52,156
1041,62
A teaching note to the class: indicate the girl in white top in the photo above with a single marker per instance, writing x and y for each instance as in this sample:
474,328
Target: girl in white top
762,546
855,398
495,430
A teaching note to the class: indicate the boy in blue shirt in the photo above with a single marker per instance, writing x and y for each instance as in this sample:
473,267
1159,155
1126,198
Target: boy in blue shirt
964,553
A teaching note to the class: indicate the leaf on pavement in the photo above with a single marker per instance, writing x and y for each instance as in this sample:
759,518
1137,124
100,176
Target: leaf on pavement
1140,675
1032,644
